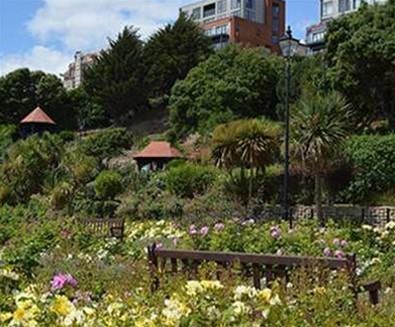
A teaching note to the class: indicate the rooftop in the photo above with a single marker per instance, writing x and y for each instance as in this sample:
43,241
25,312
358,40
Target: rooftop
38,116
158,149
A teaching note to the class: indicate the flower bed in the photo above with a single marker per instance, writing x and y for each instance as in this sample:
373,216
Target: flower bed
66,278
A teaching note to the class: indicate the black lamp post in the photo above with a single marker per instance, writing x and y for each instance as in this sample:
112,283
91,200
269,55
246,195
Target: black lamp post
289,48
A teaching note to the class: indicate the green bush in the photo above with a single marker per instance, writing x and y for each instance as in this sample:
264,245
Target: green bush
188,179
7,133
108,184
27,164
107,143
373,160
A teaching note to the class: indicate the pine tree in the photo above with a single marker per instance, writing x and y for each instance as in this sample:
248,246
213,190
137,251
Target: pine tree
171,52
115,81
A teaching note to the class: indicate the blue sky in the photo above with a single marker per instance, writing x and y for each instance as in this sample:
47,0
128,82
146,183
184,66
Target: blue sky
44,34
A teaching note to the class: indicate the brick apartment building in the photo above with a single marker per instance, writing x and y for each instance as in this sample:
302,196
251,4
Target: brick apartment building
256,23
329,10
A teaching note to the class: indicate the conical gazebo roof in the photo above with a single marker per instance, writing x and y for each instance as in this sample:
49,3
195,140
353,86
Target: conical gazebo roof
37,116
158,150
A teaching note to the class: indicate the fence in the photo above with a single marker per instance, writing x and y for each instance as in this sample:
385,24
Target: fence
377,216
105,227
262,265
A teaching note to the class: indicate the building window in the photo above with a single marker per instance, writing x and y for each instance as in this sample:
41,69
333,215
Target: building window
276,10
196,13
276,25
250,15
344,5
275,39
222,6
250,4
317,37
236,13
223,29
356,4
327,8
235,4
209,10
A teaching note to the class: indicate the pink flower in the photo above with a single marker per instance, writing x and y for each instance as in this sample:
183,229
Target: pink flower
275,232
60,281
219,226
343,243
192,230
340,254
159,245
336,242
327,252
204,230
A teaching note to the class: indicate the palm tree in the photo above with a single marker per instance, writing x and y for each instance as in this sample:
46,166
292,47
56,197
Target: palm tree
248,144
319,125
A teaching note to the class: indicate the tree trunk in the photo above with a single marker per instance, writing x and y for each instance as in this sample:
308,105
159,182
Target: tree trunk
318,199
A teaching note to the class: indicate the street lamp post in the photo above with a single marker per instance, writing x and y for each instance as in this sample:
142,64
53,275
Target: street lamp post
289,47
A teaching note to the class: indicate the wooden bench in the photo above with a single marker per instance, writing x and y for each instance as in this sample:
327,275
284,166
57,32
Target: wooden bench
260,265
108,227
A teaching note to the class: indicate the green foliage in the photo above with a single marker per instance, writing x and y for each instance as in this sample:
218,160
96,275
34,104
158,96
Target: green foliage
27,164
362,63
89,114
246,143
320,124
22,90
233,83
171,52
115,81
242,184
373,159
188,179
7,133
108,184
106,143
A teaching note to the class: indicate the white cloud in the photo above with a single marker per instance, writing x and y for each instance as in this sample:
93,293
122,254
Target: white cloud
39,58
61,27
86,24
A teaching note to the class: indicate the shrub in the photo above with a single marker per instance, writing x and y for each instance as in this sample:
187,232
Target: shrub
27,164
188,180
107,143
7,133
108,184
373,160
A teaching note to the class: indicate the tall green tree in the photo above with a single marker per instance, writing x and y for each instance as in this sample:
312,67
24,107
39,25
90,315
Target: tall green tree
319,125
233,83
115,80
247,144
22,90
361,57
171,52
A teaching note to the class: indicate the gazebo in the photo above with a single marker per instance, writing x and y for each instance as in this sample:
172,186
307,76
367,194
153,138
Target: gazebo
156,155
37,122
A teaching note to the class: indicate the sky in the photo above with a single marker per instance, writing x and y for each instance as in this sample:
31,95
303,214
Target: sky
45,34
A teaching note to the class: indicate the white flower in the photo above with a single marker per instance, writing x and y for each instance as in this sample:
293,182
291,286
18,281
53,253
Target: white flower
244,290
194,287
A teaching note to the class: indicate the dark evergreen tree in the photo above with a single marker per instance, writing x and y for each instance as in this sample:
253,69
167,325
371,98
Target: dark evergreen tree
171,52
361,57
115,81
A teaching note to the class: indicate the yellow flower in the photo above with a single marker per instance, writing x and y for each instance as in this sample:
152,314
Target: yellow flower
211,284
5,316
265,295
62,306
19,314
